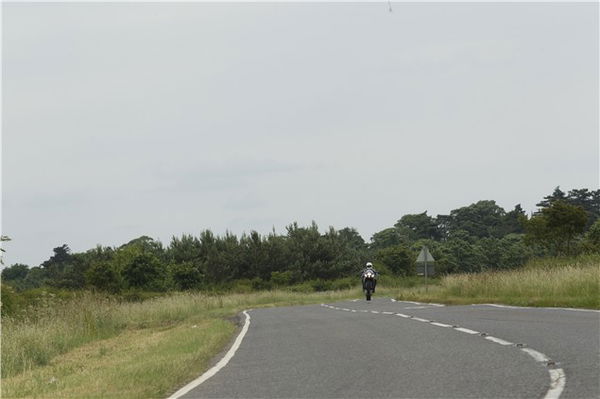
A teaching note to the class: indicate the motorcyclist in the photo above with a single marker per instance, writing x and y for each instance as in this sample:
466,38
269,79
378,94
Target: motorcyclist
369,266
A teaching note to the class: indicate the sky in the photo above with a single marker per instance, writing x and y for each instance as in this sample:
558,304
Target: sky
123,119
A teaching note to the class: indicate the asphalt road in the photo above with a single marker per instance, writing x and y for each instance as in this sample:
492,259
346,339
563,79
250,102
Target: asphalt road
346,350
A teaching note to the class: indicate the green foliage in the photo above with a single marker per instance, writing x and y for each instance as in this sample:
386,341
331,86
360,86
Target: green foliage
592,238
386,238
186,275
9,300
419,226
556,227
399,259
104,277
17,271
143,270
280,279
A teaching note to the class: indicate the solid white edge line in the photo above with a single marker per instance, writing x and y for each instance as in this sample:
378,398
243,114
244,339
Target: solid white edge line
498,341
557,383
533,307
538,356
222,363
466,330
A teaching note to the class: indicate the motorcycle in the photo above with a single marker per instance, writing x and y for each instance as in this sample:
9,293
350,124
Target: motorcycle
368,283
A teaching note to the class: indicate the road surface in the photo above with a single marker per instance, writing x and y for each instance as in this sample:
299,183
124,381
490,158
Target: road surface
386,349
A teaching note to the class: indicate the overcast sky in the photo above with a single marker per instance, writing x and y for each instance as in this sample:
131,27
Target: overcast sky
121,120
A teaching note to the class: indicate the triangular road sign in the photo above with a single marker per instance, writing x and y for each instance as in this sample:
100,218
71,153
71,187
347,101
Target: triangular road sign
425,256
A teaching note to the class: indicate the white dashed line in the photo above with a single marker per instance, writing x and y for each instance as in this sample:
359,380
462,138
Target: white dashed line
499,341
420,319
466,330
416,307
440,324
557,376
538,356
393,300
222,363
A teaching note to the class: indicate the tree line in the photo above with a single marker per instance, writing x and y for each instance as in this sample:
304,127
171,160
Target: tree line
481,236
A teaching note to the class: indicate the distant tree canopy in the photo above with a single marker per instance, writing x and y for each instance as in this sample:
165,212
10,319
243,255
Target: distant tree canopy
556,227
480,236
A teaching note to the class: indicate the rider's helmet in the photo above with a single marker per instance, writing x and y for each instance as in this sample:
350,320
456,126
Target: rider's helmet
369,265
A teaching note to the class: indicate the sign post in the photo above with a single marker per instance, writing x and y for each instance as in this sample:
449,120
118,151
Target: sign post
425,257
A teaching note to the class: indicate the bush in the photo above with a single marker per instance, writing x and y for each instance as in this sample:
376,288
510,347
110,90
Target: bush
281,278
9,300
399,259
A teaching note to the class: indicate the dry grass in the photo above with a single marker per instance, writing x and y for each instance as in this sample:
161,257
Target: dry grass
550,282
96,347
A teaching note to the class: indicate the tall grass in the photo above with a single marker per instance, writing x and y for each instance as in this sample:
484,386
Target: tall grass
573,282
59,326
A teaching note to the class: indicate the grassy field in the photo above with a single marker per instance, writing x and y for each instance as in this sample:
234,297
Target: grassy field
542,282
93,346
96,347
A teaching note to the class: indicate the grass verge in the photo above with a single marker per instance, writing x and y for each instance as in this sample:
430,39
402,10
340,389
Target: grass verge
95,347
559,282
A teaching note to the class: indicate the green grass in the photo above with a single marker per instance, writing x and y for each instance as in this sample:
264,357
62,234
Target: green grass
92,346
556,282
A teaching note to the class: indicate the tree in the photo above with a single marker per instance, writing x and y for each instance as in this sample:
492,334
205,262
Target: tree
592,237
17,271
352,238
385,238
418,226
481,219
556,227
512,221
557,195
186,275
105,277
399,259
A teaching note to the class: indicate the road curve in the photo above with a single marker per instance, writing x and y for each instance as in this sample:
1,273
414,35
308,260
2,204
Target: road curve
365,349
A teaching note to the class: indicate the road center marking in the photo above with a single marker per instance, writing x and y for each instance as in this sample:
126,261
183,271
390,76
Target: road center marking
440,324
466,330
538,356
499,341
420,319
557,375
